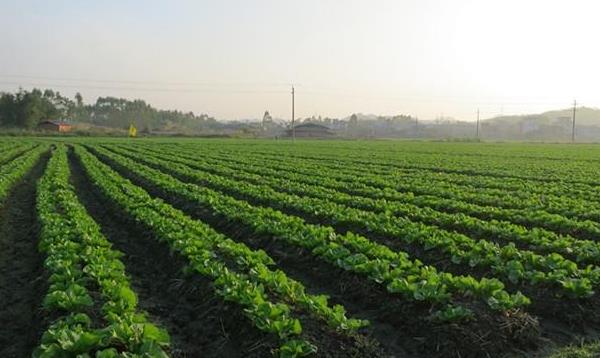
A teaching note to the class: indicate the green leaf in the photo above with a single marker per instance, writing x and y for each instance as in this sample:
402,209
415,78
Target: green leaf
128,296
152,332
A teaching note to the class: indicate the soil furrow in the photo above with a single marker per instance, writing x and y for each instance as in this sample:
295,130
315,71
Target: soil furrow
22,280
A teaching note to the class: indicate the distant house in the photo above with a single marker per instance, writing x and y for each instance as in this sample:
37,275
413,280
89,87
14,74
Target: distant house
55,126
311,130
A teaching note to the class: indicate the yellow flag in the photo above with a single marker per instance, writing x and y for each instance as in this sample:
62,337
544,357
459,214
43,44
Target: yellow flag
132,131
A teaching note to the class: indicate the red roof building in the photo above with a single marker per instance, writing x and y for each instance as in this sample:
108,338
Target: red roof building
55,126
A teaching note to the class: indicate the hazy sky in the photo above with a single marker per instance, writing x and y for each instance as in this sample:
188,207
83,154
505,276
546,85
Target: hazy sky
234,59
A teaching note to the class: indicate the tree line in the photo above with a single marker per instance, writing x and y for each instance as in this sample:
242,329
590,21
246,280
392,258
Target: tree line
26,109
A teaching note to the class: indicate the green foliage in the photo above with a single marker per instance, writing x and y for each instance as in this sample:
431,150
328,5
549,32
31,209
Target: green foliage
307,194
19,159
349,252
207,249
26,109
82,265
584,350
296,348
510,237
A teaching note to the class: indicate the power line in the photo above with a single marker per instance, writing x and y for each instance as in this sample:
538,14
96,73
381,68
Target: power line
249,91
433,99
314,92
144,89
138,82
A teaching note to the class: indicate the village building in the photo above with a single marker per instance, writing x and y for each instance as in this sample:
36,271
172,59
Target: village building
55,126
311,130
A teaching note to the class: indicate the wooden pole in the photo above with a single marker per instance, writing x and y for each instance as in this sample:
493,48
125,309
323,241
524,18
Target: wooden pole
293,115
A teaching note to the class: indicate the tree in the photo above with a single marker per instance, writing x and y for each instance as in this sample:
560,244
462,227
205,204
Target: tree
8,110
78,99
267,120
27,108
32,110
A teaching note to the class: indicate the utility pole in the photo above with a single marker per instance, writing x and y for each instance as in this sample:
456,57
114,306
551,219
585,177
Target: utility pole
293,125
573,130
477,123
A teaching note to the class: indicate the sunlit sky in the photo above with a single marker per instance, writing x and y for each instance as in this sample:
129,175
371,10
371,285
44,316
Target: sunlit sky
236,59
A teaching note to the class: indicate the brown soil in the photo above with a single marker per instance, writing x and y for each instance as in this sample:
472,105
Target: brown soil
22,283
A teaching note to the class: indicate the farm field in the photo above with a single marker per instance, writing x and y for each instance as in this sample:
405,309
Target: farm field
255,248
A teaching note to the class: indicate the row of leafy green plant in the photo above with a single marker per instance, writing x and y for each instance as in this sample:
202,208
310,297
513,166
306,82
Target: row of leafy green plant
536,239
565,171
553,197
571,200
559,197
528,190
250,283
395,270
562,198
9,151
95,310
504,261
428,193
13,171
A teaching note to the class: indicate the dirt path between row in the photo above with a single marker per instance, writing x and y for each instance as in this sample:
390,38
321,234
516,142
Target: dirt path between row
22,284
